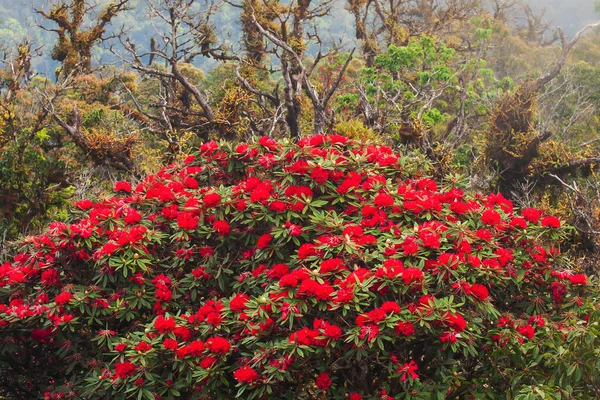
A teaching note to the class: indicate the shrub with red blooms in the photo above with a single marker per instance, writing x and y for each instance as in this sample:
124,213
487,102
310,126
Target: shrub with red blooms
334,270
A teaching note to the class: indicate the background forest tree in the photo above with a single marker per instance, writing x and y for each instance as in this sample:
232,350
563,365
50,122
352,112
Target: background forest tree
493,94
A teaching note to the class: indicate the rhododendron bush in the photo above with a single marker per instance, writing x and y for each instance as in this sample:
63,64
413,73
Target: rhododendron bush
322,269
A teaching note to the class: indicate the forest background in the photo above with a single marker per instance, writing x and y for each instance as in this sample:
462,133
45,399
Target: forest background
495,94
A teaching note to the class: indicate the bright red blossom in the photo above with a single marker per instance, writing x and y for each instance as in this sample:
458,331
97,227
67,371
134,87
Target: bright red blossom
124,369
551,222
323,381
222,227
408,370
211,200
246,374
123,187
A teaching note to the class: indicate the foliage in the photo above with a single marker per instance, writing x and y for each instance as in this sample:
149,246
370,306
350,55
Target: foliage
322,269
33,185
404,83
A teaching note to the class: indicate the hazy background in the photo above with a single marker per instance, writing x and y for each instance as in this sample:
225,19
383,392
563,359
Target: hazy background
571,15
17,17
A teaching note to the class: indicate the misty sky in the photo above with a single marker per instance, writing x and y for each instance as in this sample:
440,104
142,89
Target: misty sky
571,15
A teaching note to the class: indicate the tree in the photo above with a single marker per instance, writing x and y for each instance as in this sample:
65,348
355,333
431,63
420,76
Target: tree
537,28
289,41
397,95
32,178
513,143
50,133
182,105
76,40
427,94
380,24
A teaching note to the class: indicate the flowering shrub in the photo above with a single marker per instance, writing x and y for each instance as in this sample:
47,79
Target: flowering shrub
323,269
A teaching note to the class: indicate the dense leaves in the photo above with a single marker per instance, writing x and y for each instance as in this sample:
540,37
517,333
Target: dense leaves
323,269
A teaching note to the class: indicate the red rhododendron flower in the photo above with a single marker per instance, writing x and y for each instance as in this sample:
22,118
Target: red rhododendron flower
143,347
331,265
222,227
268,142
294,230
190,182
40,334
479,291
527,330
260,194
518,222
321,291
278,206
323,381
170,344
123,187
333,332
390,307
456,321
120,347
538,320
504,321
208,362
187,221
289,280
460,207
49,277
578,279
532,215
200,273
209,147
238,302
263,241
132,217
369,331
218,345
409,246
430,239
304,336
551,222
246,374
448,337
124,369
484,235
84,204
320,175
491,217
63,298
383,200
211,199
277,271
408,370
306,250
404,328
376,315
163,324
196,348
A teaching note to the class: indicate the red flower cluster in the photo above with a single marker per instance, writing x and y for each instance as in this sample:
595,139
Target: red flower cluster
253,270
124,369
246,374
408,370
